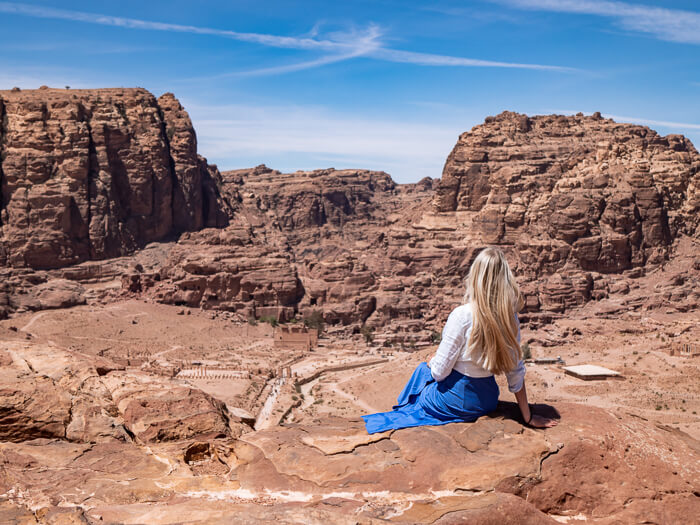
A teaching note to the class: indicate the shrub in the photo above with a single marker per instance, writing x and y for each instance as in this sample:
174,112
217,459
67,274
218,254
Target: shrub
435,337
527,353
269,319
366,331
315,320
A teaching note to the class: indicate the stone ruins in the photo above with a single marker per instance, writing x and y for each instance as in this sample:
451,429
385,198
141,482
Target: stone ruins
684,349
295,337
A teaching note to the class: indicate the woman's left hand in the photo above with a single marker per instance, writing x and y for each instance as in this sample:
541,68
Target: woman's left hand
542,422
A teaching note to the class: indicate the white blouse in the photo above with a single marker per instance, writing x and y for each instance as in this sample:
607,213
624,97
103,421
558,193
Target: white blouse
453,351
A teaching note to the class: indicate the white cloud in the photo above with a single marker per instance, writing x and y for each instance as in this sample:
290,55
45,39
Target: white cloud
340,45
650,122
637,120
430,59
673,25
236,136
364,44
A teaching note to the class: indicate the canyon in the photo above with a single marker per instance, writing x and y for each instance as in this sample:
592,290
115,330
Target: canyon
129,263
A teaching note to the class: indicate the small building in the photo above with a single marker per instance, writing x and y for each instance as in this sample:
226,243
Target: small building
684,349
295,337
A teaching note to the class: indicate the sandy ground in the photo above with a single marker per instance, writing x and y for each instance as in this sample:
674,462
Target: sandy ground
167,340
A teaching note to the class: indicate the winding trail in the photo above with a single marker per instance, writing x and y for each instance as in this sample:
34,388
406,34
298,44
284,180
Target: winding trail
33,320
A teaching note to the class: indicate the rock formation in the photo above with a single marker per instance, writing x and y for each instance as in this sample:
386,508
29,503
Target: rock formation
100,427
608,196
93,174
54,394
582,206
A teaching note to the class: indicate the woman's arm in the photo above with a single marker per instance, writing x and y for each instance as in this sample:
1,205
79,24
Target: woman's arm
450,346
529,417
516,384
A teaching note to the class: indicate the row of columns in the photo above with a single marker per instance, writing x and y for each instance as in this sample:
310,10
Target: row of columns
203,372
284,371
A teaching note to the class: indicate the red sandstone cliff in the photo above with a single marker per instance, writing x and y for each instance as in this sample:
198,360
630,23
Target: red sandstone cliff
93,174
584,207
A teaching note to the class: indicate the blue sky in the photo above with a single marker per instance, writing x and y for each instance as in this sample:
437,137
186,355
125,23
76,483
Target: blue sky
385,85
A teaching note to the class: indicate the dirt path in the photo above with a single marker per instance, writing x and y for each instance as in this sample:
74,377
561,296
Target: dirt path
33,320
353,399
263,419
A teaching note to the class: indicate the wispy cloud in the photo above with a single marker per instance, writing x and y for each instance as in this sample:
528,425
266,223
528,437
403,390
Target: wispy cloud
430,59
673,25
288,68
341,46
638,120
242,135
132,23
81,47
363,44
650,122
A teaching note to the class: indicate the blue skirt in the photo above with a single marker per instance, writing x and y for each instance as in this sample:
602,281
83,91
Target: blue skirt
424,401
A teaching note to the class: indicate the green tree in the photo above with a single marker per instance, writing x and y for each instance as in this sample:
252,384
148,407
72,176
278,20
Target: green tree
315,320
367,332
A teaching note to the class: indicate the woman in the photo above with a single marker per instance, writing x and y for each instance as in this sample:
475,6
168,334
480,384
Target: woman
481,338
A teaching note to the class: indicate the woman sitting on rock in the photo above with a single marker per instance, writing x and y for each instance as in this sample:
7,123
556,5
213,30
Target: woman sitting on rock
481,338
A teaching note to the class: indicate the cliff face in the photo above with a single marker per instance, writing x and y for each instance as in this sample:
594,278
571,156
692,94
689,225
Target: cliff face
580,191
583,207
285,226
93,174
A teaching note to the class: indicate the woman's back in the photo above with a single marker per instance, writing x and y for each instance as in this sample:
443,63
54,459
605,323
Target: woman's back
455,353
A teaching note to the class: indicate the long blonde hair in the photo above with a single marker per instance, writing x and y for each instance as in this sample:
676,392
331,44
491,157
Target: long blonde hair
495,298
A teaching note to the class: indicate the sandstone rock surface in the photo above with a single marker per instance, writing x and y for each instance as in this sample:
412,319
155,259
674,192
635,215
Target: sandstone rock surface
93,174
605,468
586,209
581,205
52,393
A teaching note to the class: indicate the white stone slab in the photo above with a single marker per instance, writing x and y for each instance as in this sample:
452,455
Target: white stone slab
590,371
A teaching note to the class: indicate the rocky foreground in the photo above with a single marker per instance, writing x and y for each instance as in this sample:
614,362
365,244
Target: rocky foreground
86,442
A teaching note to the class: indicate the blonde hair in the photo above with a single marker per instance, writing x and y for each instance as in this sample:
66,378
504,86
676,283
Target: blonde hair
495,298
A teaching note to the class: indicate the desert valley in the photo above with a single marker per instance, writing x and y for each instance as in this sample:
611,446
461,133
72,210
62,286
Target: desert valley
180,344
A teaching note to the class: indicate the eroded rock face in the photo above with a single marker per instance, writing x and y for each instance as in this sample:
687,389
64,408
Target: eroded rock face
582,206
93,174
283,224
607,196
